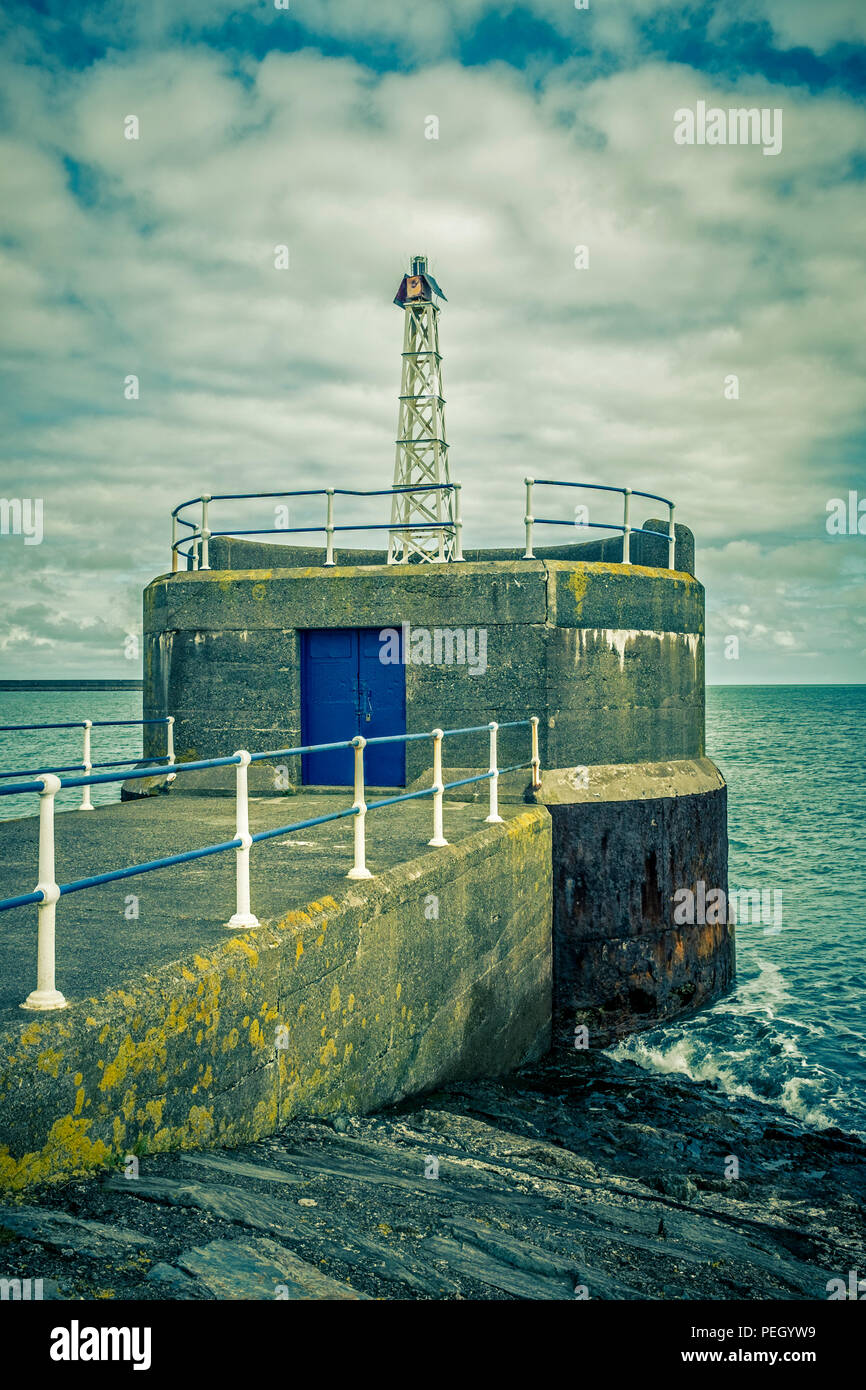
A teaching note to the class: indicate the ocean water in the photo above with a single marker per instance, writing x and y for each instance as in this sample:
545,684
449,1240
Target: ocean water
792,1032
49,748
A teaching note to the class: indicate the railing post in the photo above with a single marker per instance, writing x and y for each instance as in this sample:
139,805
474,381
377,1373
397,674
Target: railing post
86,803
194,545
458,525
536,761
494,817
205,535
243,917
359,868
672,539
527,554
329,528
169,738
174,538
626,526
46,995
438,791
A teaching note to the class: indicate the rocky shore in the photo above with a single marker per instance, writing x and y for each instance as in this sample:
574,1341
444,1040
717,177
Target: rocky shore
579,1178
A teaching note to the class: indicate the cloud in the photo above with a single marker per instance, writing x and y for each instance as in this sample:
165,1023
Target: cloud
155,258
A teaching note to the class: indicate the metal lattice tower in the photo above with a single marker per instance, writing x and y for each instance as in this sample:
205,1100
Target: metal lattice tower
426,517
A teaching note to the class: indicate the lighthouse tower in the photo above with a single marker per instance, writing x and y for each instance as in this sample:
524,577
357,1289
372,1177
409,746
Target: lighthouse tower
425,514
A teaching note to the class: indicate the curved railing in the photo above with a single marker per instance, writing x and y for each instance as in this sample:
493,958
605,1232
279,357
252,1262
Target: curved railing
48,892
625,527
199,534
194,546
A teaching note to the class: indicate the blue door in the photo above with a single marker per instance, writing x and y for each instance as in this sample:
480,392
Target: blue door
346,690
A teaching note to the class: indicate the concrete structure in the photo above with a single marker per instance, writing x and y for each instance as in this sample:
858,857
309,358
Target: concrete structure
610,656
183,1034
453,962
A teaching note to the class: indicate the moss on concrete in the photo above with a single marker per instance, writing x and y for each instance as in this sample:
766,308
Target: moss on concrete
438,969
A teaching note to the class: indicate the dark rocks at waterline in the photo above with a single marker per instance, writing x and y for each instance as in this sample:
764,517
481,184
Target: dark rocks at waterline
573,1179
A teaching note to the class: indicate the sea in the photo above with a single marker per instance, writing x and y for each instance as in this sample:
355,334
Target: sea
792,1031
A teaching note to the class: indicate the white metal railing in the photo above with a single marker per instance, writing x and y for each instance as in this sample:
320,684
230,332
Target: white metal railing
48,892
86,765
199,534
625,526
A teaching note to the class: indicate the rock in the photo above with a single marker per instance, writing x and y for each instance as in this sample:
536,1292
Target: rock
69,1234
681,1188
136,787
177,1283
53,1291
261,1269
526,1205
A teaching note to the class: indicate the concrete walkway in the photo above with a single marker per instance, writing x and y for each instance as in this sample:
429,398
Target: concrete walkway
183,909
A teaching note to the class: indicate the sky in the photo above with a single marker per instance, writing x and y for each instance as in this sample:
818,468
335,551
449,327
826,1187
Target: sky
707,345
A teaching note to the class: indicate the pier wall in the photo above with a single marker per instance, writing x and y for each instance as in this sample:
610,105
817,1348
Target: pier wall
437,970
611,659
609,656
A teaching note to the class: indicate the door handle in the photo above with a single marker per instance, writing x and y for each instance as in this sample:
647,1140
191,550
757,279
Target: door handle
369,706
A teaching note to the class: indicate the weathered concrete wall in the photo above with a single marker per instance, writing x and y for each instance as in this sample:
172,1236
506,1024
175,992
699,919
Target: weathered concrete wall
625,839
609,656
377,998
230,553
611,659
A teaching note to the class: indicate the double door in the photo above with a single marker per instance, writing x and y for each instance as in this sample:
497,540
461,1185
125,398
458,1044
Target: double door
346,689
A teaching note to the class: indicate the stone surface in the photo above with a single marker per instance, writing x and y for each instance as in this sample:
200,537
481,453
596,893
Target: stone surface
609,656
438,968
230,553
260,1269
620,961
62,1231
579,1178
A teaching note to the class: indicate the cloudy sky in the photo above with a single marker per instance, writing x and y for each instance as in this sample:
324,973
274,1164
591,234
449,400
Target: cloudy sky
308,126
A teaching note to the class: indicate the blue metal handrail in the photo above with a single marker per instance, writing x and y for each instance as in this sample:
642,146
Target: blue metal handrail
197,541
48,892
625,527
86,764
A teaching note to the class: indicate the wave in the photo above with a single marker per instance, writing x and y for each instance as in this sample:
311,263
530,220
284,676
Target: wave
750,1048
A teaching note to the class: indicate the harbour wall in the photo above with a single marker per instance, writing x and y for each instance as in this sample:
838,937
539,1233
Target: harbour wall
437,970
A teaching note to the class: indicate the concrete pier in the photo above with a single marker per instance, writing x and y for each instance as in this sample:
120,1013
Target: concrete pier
610,656
458,962
183,1033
